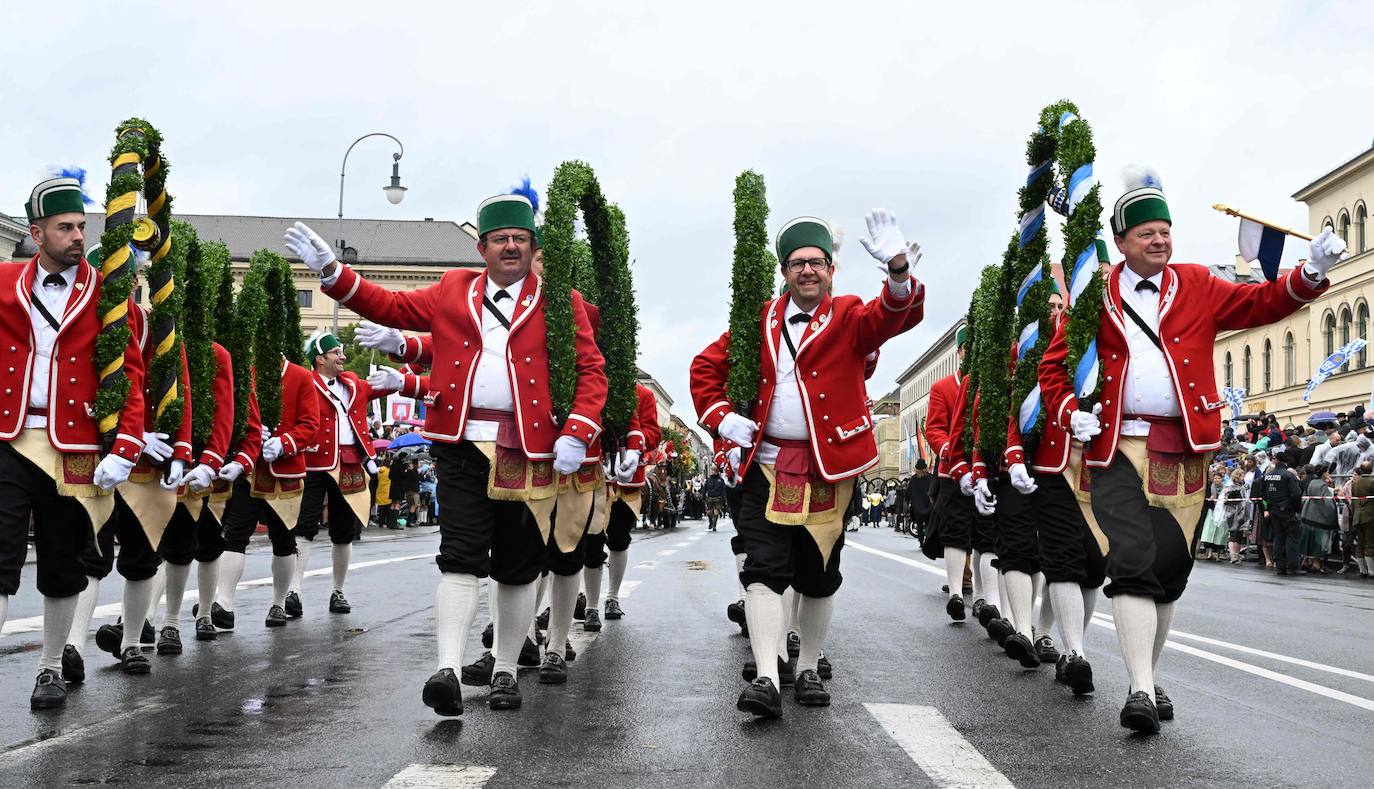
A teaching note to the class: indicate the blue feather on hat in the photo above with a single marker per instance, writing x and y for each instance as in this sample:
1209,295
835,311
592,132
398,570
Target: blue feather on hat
79,173
526,190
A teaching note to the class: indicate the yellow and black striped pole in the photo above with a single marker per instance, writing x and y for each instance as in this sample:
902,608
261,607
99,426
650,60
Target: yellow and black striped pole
121,198
164,366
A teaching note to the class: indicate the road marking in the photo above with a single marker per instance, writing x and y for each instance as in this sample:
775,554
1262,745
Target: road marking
647,564
667,552
581,639
30,747
937,747
445,776
34,624
932,569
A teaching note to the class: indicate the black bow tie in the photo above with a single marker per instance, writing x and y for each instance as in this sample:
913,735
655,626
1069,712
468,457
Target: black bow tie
54,281
1145,284
800,317
500,294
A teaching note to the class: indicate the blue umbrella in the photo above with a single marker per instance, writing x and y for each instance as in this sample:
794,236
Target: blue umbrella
1321,417
410,440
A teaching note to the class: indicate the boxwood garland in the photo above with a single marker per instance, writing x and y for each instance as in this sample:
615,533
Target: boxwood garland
198,326
751,287
1080,232
278,331
166,272
240,321
976,347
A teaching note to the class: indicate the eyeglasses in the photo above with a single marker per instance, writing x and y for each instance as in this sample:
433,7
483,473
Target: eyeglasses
519,239
816,264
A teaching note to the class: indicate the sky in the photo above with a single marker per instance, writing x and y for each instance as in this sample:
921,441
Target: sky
842,107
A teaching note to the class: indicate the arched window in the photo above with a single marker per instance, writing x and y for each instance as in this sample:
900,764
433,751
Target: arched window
1230,372
1345,333
1344,224
1361,219
1328,223
1290,364
1245,371
1362,330
1329,334
1268,365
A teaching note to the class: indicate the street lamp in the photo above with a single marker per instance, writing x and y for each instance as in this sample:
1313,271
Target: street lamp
395,193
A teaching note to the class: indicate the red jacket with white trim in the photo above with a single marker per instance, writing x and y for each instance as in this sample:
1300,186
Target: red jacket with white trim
943,405
181,442
222,421
323,455
300,420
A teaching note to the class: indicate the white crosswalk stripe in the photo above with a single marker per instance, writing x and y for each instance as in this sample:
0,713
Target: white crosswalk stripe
441,776
937,747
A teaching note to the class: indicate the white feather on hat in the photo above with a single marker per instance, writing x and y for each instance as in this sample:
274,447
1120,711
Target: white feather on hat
836,239
1137,176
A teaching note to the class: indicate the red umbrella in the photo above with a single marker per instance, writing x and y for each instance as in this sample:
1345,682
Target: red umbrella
381,443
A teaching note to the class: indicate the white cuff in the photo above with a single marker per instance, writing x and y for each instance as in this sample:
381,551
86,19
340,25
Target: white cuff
899,289
332,278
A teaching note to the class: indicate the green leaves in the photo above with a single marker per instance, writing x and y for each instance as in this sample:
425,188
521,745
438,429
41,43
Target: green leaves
751,287
1080,232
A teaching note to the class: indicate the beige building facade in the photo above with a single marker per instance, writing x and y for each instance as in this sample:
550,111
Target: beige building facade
913,389
887,432
1273,363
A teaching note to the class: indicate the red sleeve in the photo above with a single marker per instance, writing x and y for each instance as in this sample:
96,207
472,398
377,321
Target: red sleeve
887,316
1245,306
403,310
129,440
222,421
1014,453
416,349
937,422
250,446
980,466
871,364
301,434
707,382
414,385
589,398
645,432
181,450
959,464
1056,384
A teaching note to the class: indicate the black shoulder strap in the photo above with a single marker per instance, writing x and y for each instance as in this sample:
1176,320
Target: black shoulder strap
1154,338
787,336
496,313
53,322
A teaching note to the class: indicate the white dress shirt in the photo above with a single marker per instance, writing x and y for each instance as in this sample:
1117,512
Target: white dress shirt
1149,387
491,382
342,400
45,337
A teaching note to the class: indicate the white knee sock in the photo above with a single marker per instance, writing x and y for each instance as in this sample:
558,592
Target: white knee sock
1136,620
455,606
159,586
791,606
341,555
617,562
813,616
516,606
58,613
591,578
991,578
739,568
138,598
1002,594
303,548
4,609
177,576
1044,612
954,569
1089,606
1165,614
283,570
977,567
540,587
1067,598
230,573
1020,591
562,601
85,609
763,614
207,581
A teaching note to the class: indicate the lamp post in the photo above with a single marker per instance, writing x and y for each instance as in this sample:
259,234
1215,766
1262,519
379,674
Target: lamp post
395,193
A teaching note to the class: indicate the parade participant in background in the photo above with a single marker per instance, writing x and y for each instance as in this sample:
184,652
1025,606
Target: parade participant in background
951,524
1158,415
816,438
497,447
55,473
623,508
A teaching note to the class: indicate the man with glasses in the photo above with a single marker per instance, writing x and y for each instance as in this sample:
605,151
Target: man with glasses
813,436
498,446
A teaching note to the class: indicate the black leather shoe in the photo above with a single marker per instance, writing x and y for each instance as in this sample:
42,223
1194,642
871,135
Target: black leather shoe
823,666
529,655
1139,714
809,691
1045,649
479,672
569,654
488,636
443,694
505,692
592,624
1019,647
786,671
1078,674
133,661
999,629
110,638
541,622
735,612
1163,704
761,699
73,666
793,645
169,641
276,616
580,608
338,604
987,614
613,610
977,610
750,671
293,605
148,635
554,671
1059,666
221,617
205,629
955,608
49,692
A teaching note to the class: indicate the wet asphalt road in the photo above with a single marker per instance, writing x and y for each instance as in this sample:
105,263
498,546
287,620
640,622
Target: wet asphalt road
335,700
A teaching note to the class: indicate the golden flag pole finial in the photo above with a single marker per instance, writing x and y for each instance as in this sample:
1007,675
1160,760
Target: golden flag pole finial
1228,210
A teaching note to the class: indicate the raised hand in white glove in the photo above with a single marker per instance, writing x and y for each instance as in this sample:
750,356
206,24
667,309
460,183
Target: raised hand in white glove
1325,251
231,471
307,245
966,484
737,429
112,471
885,240
386,379
983,500
271,449
371,466
1021,478
568,454
176,472
625,470
199,478
375,335
155,447
1085,425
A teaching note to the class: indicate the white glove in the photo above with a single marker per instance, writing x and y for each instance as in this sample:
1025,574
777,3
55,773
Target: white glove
737,429
887,241
371,466
307,245
386,379
1084,425
271,449
983,500
1325,251
200,477
966,484
231,471
625,471
112,471
175,473
155,447
568,454
1021,478
383,338
609,468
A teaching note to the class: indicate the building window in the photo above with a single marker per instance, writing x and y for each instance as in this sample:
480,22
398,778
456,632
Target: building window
1361,215
1345,334
1245,370
1268,365
305,298
1362,330
1230,372
1290,364
1329,333
1344,225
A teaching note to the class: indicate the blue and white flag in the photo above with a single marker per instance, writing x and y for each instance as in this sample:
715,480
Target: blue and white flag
1031,222
1029,411
1033,276
1234,397
1027,340
1082,275
1085,377
1332,364
1080,183
1037,171
1262,243
1065,119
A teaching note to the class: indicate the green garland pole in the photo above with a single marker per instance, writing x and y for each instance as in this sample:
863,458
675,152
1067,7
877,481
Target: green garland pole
618,336
292,339
240,323
263,281
198,327
980,343
1081,230
751,287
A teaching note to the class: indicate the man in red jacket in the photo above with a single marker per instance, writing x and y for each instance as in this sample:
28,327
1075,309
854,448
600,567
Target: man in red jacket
816,438
1157,417
499,446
